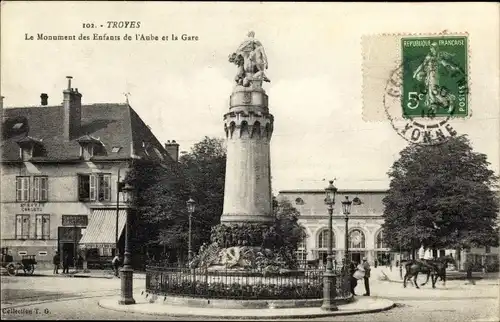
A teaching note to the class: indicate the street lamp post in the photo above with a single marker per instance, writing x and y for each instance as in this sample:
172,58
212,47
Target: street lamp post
329,278
400,260
346,209
191,204
127,271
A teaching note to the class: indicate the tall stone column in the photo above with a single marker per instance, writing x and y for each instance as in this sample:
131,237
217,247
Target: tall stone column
248,127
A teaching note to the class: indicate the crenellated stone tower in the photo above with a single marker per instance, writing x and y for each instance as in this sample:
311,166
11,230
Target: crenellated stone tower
249,127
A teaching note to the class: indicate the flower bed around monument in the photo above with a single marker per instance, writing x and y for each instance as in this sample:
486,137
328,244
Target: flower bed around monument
195,283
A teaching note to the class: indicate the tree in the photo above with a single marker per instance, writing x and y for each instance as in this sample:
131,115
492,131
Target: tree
160,194
441,196
203,170
287,223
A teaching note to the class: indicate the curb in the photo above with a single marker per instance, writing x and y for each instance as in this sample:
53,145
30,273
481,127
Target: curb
130,309
447,280
79,275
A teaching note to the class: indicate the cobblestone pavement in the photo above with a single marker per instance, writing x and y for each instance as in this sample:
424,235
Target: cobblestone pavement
76,298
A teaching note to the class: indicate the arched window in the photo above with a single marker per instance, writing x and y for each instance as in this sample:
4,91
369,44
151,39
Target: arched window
299,201
323,239
379,240
356,239
256,129
244,129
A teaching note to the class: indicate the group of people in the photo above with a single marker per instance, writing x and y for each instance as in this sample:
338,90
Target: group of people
66,263
360,271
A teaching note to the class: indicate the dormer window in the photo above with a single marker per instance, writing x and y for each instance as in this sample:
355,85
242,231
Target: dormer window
89,146
30,147
17,126
87,151
26,153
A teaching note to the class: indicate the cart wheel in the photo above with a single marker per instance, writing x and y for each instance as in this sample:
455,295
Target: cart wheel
29,269
11,269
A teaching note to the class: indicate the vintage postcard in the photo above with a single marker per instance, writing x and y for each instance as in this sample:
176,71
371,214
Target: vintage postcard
245,160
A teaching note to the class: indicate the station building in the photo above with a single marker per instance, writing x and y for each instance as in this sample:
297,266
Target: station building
60,169
366,237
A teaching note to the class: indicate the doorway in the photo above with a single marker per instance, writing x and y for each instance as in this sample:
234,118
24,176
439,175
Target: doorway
356,257
68,249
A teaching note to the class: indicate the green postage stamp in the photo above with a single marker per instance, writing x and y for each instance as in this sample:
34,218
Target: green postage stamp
434,80
417,82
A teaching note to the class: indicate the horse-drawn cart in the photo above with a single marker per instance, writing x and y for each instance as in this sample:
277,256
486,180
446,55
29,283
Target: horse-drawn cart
27,263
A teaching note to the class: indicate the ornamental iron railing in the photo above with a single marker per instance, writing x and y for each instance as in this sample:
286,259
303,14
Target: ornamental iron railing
246,285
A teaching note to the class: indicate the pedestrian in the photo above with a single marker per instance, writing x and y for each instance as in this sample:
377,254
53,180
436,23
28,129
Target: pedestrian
366,267
66,264
353,277
56,261
116,263
469,266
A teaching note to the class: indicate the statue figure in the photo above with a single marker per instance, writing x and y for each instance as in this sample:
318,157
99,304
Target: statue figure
251,59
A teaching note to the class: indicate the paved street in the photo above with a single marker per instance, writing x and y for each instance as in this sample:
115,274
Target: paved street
45,297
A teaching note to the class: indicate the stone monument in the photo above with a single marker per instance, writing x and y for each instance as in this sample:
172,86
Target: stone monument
248,126
247,239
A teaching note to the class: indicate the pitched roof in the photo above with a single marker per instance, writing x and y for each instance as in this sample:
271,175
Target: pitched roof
114,125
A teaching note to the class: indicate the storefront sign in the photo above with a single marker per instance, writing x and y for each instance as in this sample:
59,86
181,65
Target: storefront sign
69,234
32,207
95,245
75,220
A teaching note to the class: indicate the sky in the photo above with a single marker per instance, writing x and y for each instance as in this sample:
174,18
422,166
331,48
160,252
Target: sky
181,88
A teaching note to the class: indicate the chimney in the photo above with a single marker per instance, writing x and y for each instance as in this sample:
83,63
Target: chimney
172,149
72,105
44,99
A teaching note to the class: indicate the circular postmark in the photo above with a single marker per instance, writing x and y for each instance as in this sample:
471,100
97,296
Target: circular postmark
424,92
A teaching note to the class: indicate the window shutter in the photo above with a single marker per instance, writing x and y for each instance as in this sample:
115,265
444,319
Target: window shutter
107,187
26,226
36,188
44,188
26,187
46,226
19,189
19,226
39,227
93,186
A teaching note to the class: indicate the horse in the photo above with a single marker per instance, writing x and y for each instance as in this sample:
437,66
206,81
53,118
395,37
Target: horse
440,268
435,267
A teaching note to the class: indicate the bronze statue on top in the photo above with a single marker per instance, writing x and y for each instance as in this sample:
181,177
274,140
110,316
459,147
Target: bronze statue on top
251,59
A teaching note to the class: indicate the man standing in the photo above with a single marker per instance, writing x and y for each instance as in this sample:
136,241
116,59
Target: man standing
116,263
56,261
469,266
366,267
66,264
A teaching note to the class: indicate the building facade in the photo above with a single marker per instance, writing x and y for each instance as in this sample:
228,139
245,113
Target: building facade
366,237
61,168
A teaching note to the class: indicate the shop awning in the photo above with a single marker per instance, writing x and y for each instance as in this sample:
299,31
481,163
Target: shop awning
101,230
